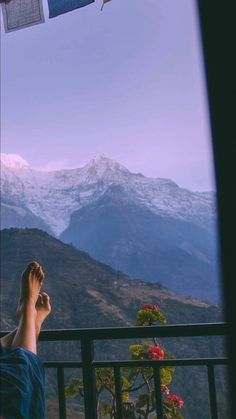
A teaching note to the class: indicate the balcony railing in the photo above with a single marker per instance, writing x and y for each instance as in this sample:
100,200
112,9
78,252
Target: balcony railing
87,337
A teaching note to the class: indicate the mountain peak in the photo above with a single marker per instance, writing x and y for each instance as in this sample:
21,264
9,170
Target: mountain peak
101,157
102,163
13,161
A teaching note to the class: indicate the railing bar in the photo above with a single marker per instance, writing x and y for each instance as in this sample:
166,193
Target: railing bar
61,393
89,381
166,362
121,363
180,330
119,409
157,389
56,364
212,391
130,363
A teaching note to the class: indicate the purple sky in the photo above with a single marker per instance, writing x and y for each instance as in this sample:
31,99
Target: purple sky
127,82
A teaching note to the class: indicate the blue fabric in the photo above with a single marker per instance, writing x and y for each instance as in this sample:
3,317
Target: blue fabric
58,7
22,383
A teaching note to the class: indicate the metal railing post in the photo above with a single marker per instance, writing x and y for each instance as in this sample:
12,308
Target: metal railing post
157,388
89,379
212,391
61,393
119,412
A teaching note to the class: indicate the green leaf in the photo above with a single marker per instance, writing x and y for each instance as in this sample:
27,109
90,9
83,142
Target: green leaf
166,374
125,383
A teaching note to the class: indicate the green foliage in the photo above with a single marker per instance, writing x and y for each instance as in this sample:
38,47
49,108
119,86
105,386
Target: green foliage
149,317
166,375
135,380
74,388
139,351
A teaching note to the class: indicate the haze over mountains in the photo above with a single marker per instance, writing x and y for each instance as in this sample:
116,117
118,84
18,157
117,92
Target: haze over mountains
148,228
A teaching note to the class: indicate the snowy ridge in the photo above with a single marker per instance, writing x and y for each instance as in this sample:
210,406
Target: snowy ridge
54,196
13,161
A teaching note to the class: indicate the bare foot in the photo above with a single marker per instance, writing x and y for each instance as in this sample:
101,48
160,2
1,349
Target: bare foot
26,335
43,308
33,269
32,280
30,302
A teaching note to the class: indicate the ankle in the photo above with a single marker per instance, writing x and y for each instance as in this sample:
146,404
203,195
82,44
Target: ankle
28,308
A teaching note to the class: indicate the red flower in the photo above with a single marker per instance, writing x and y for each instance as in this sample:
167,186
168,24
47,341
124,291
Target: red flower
165,389
156,352
152,307
175,401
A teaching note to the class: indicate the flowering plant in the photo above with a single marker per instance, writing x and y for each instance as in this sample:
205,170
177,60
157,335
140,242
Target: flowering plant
156,352
136,380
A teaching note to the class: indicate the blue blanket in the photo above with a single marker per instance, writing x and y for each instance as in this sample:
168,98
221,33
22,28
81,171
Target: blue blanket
58,7
22,383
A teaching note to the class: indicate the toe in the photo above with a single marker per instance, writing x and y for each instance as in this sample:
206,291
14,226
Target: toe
40,275
29,268
38,272
45,297
33,265
46,301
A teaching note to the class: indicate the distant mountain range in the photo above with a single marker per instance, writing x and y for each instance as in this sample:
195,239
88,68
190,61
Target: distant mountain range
148,228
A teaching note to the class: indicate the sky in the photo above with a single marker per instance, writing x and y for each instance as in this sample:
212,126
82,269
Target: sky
127,82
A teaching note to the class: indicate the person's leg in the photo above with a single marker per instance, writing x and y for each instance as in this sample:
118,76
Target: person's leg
7,340
33,309
43,308
26,333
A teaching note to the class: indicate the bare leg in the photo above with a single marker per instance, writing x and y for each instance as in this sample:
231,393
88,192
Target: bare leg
6,341
26,333
43,308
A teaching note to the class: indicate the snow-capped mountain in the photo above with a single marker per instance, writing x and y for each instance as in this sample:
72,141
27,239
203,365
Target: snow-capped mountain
13,161
54,196
147,228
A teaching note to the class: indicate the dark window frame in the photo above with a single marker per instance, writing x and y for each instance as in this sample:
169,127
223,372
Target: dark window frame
218,29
